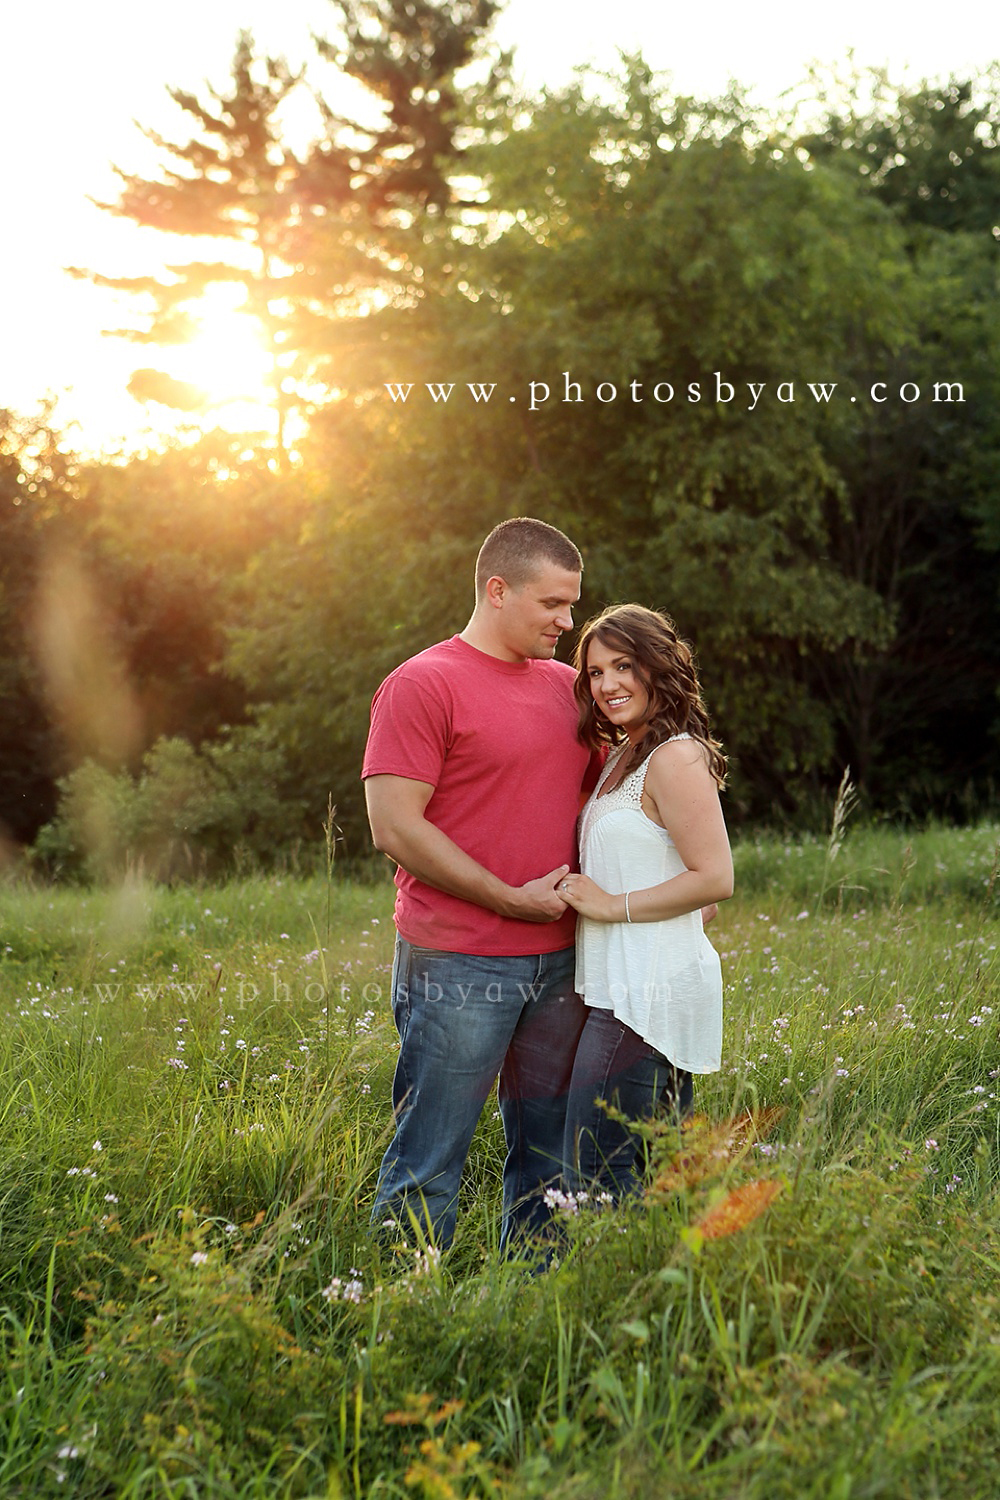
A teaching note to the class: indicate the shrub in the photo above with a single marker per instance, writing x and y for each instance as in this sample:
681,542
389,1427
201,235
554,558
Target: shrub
188,812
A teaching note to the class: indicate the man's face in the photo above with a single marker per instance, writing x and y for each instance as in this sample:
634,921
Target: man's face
532,618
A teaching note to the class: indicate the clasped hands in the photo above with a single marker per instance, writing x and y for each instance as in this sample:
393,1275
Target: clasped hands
545,899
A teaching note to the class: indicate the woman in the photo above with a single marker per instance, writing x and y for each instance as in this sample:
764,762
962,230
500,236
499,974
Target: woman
653,852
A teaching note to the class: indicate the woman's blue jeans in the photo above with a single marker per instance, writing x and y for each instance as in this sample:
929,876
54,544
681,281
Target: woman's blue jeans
462,1021
615,1065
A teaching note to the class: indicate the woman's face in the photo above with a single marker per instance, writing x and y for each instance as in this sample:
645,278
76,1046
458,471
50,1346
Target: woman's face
617,689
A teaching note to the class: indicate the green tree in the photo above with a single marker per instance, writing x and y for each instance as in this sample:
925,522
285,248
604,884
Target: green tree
917,717
406,53
930,153
208,509
382,196
113,631
37,478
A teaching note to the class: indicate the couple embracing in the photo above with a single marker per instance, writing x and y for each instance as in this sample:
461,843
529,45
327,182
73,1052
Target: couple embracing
575,970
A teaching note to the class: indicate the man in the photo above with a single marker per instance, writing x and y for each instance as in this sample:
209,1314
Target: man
473,774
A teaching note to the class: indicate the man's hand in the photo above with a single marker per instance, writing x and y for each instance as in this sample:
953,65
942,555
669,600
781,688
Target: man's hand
709,914
538,900
396,808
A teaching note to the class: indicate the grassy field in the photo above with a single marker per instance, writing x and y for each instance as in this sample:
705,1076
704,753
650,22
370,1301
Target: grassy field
806,1303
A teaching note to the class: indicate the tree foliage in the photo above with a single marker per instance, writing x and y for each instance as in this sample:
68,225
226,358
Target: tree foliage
655,322
36,479
917,718
406,53
930,154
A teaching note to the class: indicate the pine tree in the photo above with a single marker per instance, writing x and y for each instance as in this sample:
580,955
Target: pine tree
233,181
381,200
406,53
311,237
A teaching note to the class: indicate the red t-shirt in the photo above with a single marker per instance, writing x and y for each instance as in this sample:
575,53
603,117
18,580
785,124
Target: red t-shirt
497,741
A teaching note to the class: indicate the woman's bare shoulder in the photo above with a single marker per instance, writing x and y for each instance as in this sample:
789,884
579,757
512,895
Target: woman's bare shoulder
680,751
680,759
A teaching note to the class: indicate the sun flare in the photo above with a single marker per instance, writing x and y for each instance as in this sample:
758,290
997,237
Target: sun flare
226,359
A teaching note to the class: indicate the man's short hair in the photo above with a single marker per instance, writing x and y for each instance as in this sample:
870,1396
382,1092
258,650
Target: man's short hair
516,549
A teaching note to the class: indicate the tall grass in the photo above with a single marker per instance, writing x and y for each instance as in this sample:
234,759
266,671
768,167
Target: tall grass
194,1102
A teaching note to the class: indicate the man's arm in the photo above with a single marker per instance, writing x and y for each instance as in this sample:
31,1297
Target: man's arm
400,829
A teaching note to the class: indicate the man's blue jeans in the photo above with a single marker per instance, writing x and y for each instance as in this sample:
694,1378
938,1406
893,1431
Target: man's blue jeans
462,1020
615,1065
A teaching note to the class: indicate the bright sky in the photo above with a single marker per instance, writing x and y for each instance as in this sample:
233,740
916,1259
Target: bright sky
77,77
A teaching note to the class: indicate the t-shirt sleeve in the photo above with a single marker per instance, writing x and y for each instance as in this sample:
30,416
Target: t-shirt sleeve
409,730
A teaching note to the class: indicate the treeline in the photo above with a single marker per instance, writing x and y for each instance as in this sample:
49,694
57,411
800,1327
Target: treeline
192,637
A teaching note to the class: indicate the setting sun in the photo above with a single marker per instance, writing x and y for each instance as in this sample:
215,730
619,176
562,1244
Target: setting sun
225,364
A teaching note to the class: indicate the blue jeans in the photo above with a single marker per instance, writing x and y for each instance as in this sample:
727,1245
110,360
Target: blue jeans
462,1020
614,1064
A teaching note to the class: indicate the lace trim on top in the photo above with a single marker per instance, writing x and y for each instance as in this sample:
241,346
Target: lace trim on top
628,792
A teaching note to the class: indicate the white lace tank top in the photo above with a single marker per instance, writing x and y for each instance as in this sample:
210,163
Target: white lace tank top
663,979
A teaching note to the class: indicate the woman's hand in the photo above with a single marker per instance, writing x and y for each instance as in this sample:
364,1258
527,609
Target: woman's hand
586,898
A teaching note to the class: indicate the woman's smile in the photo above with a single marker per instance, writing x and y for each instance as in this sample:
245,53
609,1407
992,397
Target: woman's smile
617,690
